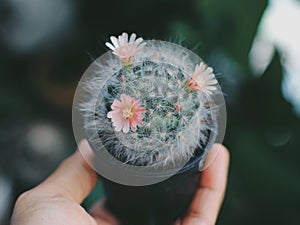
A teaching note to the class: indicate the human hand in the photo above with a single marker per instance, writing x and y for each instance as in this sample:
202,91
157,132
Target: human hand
57,200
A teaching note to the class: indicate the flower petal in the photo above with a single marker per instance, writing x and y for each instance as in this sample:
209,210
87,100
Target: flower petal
126,126
115,42
116,104
124,99
109,45
110,114
132,38
125,36
139,40
118,126
133,125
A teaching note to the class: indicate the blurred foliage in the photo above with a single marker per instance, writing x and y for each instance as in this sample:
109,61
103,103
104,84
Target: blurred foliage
37,86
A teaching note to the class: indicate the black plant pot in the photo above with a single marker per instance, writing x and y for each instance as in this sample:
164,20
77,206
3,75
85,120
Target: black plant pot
157,204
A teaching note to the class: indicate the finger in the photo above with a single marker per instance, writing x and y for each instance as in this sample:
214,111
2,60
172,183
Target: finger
73,178
206,204
101,215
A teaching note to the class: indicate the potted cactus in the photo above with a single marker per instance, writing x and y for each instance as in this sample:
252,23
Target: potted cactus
151,112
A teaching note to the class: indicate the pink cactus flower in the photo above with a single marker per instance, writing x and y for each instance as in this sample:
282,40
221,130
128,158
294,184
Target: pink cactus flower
202,79
124,49
126,114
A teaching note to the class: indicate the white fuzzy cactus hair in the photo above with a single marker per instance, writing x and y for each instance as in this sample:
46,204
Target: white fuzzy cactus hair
149,102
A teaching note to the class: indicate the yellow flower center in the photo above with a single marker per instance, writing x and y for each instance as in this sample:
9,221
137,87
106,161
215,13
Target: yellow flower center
127,112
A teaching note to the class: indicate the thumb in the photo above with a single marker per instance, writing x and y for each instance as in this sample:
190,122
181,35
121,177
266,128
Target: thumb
73,178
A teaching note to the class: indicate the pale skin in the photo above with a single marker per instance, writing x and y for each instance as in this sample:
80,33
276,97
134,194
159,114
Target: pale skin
57,200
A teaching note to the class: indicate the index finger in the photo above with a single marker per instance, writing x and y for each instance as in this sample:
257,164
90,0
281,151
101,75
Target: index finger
206,204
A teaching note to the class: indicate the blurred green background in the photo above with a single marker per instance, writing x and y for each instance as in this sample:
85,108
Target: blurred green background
45,47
